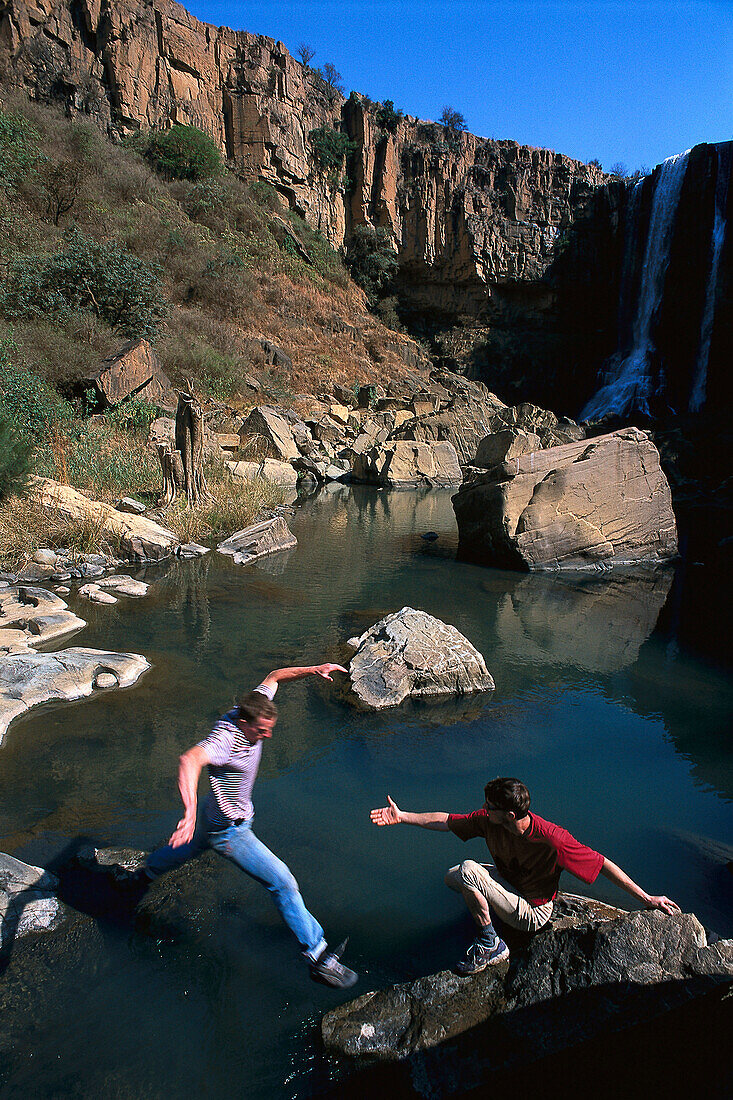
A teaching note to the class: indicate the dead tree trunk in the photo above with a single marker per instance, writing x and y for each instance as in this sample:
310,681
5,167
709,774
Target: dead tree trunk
183,465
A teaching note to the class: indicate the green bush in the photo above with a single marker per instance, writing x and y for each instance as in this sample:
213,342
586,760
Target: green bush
387,117
135,415
371,259
19,149
15,459
85,275
26,402
330,147
182,153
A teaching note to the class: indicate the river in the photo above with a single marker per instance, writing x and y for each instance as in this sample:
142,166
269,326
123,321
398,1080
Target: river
613,703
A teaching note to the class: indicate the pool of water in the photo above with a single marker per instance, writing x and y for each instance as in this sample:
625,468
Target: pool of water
613,703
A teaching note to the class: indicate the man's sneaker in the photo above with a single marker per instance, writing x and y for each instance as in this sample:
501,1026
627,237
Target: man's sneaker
479,956
329,971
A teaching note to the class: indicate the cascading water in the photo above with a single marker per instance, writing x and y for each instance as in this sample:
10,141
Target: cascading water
629,381
699,386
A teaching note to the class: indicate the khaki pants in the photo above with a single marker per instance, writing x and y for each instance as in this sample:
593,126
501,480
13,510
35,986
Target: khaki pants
511,908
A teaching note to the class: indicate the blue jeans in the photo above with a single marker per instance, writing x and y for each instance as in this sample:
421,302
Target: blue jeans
239,844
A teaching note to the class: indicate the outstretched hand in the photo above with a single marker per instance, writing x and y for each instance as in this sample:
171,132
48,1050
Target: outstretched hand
326,670
386,815
665,904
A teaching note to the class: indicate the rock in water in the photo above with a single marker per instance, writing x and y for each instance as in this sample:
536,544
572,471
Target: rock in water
29,678
410,653
597,502
31,616
254,542
27,900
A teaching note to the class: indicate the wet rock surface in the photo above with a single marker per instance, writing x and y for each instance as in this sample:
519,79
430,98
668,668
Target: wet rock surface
28,678
411,653
598,502
28,901
593,970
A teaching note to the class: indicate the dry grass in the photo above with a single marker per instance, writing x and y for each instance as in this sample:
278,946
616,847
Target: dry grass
25,527
238,503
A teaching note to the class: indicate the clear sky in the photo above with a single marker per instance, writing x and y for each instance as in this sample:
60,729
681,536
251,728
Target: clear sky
629,81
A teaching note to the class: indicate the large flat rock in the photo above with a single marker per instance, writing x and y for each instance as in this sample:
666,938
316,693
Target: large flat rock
30,616
594,503
411,653
139,538
27,679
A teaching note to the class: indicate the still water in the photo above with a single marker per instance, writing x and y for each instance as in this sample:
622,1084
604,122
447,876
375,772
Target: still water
612,702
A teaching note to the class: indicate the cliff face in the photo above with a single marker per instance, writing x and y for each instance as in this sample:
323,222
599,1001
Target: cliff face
474,220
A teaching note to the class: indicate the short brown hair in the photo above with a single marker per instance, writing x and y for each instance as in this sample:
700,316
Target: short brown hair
508,795
256,705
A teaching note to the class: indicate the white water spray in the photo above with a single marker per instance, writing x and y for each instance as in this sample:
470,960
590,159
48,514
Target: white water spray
629,379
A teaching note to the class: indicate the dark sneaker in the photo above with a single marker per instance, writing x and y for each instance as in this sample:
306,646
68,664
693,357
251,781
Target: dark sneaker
328,970
479,956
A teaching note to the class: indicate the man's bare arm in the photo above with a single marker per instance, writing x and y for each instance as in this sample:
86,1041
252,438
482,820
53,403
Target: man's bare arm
391,814
189,770
652,901
282,675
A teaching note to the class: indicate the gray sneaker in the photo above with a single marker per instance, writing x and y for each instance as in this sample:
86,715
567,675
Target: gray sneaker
479,956
328,970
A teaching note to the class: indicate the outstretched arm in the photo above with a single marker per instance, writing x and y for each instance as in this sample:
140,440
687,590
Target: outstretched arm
651,901
189,770
282,675
391,814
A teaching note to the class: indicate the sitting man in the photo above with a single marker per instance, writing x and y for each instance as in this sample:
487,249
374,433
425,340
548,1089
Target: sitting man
232,754
529,853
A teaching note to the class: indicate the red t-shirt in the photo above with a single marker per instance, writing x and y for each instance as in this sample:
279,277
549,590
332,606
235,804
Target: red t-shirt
531,863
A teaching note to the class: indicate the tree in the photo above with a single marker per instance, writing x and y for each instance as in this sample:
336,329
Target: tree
618,169
333,78
387,117
371,260
62,184
452,119
306,53
15,460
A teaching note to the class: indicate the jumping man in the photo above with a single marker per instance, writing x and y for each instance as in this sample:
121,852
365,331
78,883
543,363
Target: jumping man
528,852
232,754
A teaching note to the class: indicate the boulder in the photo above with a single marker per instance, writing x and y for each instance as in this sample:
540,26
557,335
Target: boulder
590,504
277,473
31,616
268,537
464,425
274,355
131,506
27,901
411,653
94,594
402,464
135,371
592,970
272,425
192,550
504,445
139,537
124,585
29,678
542,422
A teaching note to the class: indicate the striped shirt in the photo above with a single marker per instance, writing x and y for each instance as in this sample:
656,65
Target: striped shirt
233,765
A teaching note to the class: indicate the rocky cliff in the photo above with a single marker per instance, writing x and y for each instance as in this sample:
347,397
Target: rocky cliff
476,222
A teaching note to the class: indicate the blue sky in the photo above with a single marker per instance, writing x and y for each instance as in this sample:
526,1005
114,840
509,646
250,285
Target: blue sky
630,81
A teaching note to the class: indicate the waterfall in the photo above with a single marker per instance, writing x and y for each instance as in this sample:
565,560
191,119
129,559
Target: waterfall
629,382
697,395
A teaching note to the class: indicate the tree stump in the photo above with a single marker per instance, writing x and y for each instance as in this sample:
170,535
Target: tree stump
183,465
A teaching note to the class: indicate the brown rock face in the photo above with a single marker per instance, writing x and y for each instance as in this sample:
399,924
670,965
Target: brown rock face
472,219
134,371
603,501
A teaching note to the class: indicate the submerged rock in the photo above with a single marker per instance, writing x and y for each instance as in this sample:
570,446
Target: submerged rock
29,678
597,502
411,653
